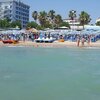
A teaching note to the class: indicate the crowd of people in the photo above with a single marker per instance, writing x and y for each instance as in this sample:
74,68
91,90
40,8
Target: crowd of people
20,37
78,38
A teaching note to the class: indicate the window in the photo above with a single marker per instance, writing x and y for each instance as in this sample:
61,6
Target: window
11,6
10,11
16,16
6,7
17,8
5,12
16,3
16,12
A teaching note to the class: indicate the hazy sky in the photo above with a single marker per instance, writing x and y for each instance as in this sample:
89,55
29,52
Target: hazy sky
64,6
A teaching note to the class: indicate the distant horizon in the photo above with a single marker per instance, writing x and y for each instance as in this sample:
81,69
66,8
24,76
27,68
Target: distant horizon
63,7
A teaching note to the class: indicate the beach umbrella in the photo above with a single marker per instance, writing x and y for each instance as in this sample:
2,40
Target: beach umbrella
97,32
16,32
34,30
23,31
63,27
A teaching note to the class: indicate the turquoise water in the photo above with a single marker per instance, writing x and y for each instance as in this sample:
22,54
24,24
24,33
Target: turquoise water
28,73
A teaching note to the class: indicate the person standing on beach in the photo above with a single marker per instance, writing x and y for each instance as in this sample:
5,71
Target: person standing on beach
89,40
78,41
82,41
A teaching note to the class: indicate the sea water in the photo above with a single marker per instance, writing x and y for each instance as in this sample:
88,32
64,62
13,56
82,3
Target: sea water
28,73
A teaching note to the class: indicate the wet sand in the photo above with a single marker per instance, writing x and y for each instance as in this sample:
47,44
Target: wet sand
54,44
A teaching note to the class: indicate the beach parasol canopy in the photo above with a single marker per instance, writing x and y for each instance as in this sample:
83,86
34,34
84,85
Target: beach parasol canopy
22,31
63,27
89,32
10,32
33,30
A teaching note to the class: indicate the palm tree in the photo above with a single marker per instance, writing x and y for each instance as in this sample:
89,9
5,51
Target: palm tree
42,18
51,15
72,15
58,20
35,15
98,23
84,18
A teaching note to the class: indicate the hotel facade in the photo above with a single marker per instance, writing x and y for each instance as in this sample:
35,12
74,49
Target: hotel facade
15,10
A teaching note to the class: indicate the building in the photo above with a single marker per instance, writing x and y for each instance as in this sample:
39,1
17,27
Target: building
92,27
74,24
98,20
15,10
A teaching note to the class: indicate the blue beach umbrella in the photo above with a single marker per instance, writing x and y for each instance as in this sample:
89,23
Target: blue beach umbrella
41,35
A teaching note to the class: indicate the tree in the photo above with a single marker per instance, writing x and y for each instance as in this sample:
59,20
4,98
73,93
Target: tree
98,23
42,18
48,24
72,14
51,15
39,27
32,25
84,18
58,20
66,24
8,19
4,23
35,15
14,24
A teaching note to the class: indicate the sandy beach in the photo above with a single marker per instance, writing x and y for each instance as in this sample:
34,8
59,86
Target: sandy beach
54,44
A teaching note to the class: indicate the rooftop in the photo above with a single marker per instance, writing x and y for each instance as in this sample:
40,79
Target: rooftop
19,1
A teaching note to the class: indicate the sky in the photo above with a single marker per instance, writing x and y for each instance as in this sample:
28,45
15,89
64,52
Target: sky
62,7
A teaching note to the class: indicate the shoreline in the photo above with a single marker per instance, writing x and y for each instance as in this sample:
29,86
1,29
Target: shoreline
55,44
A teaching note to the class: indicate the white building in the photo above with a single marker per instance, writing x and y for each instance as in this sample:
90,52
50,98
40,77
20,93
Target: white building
74,24
14,10
98,20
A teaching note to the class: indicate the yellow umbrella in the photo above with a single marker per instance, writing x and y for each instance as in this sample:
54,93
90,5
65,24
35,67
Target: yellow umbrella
33,30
